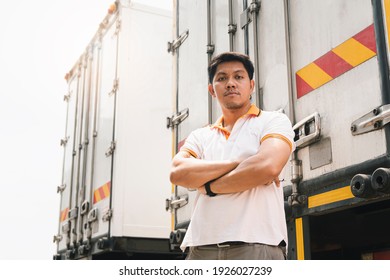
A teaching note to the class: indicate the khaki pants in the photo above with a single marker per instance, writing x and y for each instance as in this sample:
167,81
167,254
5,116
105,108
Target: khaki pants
245,251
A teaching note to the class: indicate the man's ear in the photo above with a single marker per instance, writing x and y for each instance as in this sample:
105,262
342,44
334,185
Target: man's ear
252,84
211,90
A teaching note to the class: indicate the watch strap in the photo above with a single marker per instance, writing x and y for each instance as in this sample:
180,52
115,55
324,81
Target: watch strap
209,192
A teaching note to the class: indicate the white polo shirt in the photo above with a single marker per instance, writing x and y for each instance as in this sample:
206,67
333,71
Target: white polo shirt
253,216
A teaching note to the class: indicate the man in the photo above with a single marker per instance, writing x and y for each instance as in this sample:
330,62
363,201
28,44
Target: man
235,166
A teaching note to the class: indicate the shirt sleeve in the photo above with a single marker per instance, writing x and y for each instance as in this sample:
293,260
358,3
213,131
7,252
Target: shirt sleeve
193,144
279,126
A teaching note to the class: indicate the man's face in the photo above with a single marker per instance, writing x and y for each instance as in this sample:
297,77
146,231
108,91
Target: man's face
231,85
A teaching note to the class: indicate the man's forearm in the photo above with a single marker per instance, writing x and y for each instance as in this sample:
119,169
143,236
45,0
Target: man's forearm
260,169
193,173
246,176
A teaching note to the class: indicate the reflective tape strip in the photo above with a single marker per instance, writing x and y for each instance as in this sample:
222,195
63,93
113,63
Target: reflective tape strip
64,214
387,12
353,52
96,197
173,221
330,197
102,192
336,62
299,239
313,75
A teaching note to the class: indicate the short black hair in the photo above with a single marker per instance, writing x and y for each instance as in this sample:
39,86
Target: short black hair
227,57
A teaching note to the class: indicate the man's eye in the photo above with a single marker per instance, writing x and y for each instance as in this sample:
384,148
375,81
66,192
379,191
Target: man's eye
221,79
239,77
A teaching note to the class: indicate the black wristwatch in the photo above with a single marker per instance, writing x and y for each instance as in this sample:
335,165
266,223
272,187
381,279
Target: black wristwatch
209,192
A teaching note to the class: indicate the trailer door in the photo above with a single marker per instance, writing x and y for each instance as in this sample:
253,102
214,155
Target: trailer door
203,29
63,237
191,94
100,172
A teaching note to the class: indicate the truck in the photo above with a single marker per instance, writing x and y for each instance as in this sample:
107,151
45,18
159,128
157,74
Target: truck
116,160
325,64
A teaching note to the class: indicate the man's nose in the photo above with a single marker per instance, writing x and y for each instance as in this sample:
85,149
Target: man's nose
230,83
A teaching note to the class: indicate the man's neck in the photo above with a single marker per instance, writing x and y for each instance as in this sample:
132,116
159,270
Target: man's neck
230,116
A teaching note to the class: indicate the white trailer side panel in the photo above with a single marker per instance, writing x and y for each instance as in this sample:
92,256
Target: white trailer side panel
316,29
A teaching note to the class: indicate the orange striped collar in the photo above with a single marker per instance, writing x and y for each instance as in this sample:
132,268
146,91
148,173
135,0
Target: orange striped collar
253,111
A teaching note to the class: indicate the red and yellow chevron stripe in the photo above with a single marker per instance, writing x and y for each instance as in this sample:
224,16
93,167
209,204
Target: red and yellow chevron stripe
64,214
387,16
336,62
102,192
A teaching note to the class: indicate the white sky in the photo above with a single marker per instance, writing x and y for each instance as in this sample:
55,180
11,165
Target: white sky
40,41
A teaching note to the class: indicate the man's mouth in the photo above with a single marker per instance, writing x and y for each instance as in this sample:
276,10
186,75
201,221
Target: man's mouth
229,93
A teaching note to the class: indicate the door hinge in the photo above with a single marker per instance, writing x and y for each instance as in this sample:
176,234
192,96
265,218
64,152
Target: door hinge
307,131
111,149
84,207
64,141
92,215
115,86
107,215
67,97
210,49
61,188
57,238
371,121
118,27
172,46
254,6
177,118
176,202
232,28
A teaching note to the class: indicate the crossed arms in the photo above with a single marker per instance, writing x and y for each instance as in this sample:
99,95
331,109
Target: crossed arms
232,176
